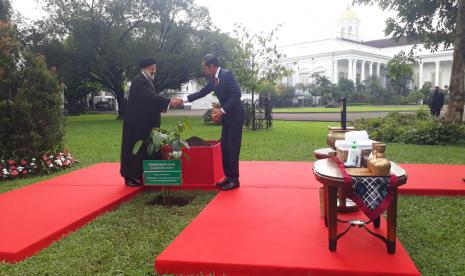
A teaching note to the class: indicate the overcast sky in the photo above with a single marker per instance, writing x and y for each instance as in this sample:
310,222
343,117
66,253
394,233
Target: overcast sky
302,20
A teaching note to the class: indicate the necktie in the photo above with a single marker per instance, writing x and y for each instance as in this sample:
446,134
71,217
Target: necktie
216,81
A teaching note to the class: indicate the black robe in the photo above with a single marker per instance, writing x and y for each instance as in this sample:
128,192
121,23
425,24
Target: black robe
142,114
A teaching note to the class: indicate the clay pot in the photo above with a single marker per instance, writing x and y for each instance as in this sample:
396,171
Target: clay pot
336,133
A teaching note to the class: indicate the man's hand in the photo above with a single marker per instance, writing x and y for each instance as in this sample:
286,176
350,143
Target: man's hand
217,113
176,102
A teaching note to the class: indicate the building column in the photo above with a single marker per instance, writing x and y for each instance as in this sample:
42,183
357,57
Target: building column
378,70
436,74
350,67
370,71
420,76
335,72
354,71
362,73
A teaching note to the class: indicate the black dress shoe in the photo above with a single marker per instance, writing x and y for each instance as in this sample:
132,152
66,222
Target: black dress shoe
131,182
231,184
222,183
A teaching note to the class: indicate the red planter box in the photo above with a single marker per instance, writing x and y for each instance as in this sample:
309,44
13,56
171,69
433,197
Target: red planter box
204,168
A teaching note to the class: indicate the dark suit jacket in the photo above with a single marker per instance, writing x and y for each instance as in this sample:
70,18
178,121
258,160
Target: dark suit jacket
228,93
436,100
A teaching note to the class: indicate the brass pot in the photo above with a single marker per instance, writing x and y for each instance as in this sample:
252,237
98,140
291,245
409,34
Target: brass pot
336,133
372,156
380,165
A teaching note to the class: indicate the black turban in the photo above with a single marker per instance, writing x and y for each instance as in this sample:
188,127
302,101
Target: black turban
146,62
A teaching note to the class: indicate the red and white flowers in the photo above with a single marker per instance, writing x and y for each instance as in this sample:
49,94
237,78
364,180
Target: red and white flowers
11,169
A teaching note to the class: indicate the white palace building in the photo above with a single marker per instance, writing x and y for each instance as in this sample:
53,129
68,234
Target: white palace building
347,56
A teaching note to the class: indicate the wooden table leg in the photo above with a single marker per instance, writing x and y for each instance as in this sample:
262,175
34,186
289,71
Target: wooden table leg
392,224
325,204
332,217
377,222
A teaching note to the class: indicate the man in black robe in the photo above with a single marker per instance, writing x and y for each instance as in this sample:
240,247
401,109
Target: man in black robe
143,112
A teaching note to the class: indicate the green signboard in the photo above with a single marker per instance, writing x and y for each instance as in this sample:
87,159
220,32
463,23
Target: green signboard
162,172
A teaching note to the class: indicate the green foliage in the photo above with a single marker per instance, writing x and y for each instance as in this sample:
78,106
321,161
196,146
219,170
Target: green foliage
5,10
255,59
429,22
414,97
376,92
169,138
399,73
418,128
31,119
282,95
435,24
101,42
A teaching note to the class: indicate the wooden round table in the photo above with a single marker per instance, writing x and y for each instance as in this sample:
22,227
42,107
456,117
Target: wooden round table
327,173
344,204
324,153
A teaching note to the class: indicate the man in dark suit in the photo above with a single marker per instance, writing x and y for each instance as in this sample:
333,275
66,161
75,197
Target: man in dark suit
142,114
436,102
223,83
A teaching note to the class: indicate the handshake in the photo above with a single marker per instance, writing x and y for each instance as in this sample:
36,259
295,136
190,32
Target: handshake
217,111
176,102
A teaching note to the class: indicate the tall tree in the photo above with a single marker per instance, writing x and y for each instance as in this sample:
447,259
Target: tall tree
256,61
436,23
5,10
108,37
399,73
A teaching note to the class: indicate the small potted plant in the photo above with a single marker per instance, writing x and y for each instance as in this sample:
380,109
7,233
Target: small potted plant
168,142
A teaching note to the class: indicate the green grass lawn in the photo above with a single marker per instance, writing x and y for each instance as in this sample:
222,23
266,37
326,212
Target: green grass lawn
126,240
361,108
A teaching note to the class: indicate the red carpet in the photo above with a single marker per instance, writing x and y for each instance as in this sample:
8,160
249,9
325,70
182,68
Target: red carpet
254,231
434,179
102,174
277,174
33,217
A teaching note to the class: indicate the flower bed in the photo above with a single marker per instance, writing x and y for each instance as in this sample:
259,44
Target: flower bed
47,163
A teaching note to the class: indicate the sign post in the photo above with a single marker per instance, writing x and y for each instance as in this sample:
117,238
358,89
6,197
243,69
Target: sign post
162,172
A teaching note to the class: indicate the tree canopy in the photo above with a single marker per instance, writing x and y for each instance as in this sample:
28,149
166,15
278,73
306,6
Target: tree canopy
104,39
436,24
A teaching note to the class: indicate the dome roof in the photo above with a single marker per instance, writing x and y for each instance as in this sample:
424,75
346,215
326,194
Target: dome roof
349,15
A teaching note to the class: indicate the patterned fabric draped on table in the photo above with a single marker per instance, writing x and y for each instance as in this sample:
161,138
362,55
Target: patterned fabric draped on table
373,194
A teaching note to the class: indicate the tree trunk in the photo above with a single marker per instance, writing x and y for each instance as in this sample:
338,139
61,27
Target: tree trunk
254,126
454,112
121,102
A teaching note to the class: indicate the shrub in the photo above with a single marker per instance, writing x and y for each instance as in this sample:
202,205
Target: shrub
31,120
418,128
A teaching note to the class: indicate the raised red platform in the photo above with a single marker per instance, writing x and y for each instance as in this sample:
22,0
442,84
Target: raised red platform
253,231
434,179
33,217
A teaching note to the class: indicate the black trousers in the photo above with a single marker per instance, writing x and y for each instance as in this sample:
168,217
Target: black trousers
435,112
231,138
